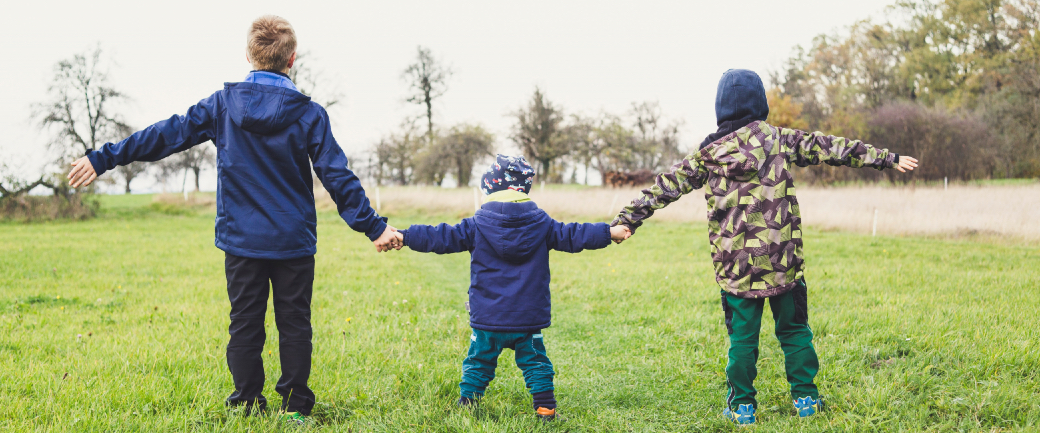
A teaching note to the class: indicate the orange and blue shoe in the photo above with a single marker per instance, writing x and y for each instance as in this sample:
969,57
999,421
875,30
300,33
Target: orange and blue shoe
808,406
745,414
545,414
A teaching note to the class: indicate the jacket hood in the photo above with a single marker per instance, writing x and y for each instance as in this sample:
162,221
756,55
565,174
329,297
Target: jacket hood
264,109
741,95
514,230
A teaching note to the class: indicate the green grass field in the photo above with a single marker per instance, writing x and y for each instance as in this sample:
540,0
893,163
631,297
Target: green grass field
119,324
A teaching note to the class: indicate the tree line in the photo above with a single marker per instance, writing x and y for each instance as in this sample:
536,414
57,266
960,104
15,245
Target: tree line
953,82
560,145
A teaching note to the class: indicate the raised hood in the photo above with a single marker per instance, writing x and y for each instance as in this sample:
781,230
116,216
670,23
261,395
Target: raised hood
264,109
514,230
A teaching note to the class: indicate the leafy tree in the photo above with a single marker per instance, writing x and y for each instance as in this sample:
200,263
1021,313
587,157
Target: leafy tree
539,132
962,61
464,145
586,149
615,144
784,111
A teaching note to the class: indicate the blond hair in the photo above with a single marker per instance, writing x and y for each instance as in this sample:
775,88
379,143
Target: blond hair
271,42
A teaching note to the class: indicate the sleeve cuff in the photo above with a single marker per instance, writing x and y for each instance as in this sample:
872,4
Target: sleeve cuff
376,231
95,162
606,232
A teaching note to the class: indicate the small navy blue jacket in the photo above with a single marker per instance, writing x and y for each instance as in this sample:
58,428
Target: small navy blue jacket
509,247
267,137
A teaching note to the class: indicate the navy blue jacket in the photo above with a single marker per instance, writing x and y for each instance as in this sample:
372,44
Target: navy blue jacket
509,247
267,137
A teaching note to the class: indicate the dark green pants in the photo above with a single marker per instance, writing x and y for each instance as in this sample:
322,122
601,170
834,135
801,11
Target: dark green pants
744,321
478,369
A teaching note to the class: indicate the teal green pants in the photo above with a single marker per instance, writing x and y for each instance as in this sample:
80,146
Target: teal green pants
744,321
478,369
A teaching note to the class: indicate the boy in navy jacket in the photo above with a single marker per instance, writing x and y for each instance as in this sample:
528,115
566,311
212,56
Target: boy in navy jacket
267,136
509,240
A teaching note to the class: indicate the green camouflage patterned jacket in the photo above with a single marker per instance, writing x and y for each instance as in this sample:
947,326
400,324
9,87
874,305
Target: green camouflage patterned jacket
753,221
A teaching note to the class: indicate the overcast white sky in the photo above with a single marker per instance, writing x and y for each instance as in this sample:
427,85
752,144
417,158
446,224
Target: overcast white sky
588,56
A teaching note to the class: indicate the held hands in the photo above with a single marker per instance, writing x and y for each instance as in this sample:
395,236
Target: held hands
82,173
389,240
906,163
619,234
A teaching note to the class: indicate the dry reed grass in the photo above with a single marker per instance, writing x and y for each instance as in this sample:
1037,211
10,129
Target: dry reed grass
190,200
1003,211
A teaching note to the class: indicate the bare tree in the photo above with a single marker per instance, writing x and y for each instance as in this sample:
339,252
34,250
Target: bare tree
657,144
81,111
427,80
193,160
395,155
540,134
11,186
314,82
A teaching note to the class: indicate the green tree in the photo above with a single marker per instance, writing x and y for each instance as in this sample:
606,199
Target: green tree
464,145
540,134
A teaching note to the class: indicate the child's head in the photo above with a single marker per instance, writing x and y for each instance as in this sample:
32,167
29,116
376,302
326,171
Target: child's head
741,96
271,44
508,173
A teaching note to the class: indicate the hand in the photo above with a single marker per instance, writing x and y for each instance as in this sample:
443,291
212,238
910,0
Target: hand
388,240
619,234
82,173
906,163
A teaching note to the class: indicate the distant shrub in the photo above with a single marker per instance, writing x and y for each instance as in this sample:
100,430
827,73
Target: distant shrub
953,144
29,208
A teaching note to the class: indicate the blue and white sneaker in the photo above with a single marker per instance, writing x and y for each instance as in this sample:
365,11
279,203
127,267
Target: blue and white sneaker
808,406
745,414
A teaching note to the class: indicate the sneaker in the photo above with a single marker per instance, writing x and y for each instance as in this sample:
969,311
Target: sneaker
293,418
745,414
808,406
545,414
466,402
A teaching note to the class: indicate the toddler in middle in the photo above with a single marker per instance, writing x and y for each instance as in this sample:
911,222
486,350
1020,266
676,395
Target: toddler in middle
509,240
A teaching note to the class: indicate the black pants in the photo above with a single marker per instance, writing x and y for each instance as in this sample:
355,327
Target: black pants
248,282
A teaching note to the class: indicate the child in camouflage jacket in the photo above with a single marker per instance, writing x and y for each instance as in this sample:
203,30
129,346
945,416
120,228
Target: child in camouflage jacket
755,229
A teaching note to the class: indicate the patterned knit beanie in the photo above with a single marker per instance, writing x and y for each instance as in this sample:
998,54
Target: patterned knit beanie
508,172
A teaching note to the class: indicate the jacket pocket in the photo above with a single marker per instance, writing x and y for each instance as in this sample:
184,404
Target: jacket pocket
801,303
727,312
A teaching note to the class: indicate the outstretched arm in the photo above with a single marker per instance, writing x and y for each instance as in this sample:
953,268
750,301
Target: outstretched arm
153,143
330,164
575,237
803,148
440,239
684,177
